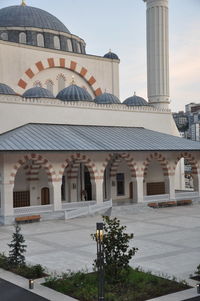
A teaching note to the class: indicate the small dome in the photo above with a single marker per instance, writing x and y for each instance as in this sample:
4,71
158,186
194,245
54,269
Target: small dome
27,16
4,89
107,98
111,55
74,93
135,101
37,92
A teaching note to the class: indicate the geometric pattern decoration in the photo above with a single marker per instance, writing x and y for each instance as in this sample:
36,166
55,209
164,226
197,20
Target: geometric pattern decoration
60,63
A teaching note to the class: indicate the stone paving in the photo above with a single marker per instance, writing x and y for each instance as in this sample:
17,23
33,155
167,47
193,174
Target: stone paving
168,240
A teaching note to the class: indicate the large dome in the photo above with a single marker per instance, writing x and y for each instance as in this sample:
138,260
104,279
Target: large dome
27,16
74,93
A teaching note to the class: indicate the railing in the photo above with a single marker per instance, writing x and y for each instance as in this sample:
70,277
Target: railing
156,197
91,209
73,205
33,209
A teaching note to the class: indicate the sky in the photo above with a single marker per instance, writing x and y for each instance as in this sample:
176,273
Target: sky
120,25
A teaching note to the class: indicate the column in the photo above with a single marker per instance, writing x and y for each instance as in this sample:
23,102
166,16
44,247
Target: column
99,190
138,191
157,53
7,211
170,187
57,202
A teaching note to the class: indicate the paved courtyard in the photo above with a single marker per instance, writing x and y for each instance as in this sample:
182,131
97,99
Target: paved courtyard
168,240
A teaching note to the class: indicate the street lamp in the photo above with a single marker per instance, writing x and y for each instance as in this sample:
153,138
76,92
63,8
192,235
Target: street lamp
100,261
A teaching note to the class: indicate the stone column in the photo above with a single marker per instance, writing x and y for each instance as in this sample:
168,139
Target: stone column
7,211
57,202
170,189
138,192
157,53
99,190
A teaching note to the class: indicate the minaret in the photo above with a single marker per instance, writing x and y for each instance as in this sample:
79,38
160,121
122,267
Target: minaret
157,53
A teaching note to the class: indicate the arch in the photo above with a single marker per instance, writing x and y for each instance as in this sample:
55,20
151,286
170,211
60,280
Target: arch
161,159
59,63
37,83
38,159
61,81
73,163
22,38
191,179
4,36
40,40
49,85
115,159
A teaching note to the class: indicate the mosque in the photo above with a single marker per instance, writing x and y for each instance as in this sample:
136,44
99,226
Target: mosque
66,139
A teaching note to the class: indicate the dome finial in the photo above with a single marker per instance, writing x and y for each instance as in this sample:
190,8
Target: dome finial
73,80
23,3
110,50
134,93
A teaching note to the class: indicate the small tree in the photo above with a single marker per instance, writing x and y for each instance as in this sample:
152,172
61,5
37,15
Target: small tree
17,248
117,253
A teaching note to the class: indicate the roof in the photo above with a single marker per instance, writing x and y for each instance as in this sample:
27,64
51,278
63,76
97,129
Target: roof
5,89
38,92
27,16
54,137
74,93
111,55
135,101
106,98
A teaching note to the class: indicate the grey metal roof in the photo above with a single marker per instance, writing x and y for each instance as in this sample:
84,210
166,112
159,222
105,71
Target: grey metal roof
38,92
54,137
111,55
106,98
135,101
27,16
74,93
5,89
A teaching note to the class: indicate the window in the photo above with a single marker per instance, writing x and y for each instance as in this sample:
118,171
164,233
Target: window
78,48
61,82
120,183
40,40
56,42
49,85
63,189
4,36
22,38
69,45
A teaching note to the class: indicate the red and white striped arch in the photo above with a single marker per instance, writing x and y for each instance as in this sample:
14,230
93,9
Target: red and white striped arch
33,171
115,159
192,160
161,159
73,162
59,63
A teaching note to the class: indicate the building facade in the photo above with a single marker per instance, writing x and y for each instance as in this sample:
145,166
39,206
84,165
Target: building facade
64,142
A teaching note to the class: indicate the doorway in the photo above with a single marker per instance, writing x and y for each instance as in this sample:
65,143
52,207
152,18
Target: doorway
45,200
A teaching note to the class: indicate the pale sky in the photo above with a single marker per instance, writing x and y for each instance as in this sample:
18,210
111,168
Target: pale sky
121,26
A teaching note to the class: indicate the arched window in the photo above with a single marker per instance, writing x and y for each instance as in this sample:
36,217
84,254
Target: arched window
69,45
49,85
37,83
78,47
56,42
22,38
40,40
61,82
4,36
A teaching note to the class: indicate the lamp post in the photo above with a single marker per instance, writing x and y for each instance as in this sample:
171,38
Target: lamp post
100,261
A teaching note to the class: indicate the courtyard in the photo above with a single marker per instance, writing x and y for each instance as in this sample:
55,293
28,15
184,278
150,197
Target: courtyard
168,240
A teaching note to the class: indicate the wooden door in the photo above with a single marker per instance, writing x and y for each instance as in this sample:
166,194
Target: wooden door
131,190
155,188
45,199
